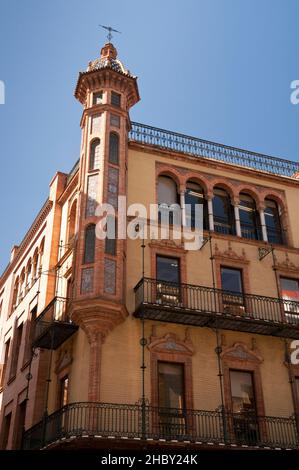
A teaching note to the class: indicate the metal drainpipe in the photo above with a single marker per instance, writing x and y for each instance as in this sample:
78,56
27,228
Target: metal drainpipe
143,343
218,349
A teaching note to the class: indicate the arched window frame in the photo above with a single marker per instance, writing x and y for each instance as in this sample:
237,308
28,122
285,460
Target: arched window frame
196,195
225,223
274,235
251,229
89,244
94,154
114,148
174,199
72,220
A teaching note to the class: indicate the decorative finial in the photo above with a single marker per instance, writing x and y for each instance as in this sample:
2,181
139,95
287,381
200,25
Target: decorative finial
109,29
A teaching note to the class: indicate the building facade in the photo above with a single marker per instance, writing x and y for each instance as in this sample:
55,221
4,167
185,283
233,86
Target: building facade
141,340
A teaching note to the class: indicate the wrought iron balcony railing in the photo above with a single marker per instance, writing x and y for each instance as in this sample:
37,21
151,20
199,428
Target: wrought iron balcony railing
205,149
53,326
148,422
206,306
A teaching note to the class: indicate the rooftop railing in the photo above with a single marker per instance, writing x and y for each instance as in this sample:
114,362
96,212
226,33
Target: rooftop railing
205,149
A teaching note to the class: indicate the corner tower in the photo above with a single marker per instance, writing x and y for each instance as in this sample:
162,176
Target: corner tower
107,91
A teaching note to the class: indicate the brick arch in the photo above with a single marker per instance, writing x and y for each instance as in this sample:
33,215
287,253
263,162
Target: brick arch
226,185
275,196
250,190
199,179
172,173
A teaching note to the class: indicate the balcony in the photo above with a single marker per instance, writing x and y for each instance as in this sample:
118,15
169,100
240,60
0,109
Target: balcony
205,306
137,422
53,326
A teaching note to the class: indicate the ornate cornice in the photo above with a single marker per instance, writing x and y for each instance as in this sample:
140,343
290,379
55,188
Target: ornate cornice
38,221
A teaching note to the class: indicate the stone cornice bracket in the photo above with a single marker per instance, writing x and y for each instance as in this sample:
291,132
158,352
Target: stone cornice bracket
97,317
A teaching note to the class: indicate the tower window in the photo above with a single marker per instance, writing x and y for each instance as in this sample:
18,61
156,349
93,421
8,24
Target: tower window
97,98
113,148
115,99
94,159
89,246
114,120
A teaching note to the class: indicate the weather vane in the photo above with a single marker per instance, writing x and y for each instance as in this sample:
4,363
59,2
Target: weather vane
108,28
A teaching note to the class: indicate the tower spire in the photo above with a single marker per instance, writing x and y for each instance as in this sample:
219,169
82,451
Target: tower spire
109,29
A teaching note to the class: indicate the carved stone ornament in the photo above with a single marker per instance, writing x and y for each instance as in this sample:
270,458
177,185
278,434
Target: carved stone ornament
242,352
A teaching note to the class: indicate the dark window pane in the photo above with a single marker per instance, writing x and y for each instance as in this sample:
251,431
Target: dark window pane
223,212
171,385
249,218
168,269
231,280
97,98
272,220
113,148
115,99
194,195
242,392
89,248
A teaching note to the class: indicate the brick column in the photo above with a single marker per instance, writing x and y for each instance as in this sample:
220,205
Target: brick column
95,341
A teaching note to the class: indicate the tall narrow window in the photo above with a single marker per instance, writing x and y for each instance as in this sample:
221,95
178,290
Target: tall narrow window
6,430
72,223
16,350
223,212
5,362
231,282
249,218
171,385
290,295
30,334
115,99
20,423
91,203
242,392
168,280
89,245
273,224
168,200
94,158
113,148
15,293
194,197
63,391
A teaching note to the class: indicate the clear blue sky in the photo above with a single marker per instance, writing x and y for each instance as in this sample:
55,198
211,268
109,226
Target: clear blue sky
217,69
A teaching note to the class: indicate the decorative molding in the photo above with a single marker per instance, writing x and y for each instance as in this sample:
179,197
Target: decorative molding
240,351
287,265
170,343
230,254
65,358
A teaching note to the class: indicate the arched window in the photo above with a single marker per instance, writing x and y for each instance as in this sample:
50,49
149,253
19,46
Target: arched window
195,196
72,222
15,293
28,275
167,196
249,218
113,148
34,266
94,158
89,244
22,285
273,223
224,220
